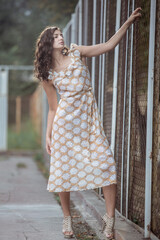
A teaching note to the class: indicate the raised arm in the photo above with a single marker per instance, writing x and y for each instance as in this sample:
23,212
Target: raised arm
98,49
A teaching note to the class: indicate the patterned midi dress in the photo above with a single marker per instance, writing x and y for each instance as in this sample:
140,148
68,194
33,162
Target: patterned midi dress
81,158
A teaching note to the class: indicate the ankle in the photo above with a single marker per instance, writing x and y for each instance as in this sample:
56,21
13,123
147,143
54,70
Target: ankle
110,215
66,215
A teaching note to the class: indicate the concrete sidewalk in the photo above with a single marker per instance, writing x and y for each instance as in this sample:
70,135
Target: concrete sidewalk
27,211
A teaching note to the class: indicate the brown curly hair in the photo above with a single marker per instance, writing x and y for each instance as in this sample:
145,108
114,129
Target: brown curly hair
43,53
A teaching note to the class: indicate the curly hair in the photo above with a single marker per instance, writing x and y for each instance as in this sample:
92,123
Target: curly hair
43,53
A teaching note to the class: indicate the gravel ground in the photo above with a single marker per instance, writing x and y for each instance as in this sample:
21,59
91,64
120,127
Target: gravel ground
81,229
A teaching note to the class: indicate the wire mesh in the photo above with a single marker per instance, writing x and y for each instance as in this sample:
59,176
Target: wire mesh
120,101
109,67
139,114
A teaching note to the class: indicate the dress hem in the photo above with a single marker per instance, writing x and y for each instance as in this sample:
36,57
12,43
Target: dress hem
83,189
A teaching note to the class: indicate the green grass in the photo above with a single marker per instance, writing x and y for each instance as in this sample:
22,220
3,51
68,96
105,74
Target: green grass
40,161
135,220
27,138
21,165
57,198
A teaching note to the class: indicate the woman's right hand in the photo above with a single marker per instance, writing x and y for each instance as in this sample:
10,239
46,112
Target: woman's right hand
48,145
135,16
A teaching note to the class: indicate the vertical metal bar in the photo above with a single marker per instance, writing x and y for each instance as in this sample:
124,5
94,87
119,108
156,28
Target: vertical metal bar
102,65
76,23
148,172
115,80
85,24
124,112
94,42
80,23
100,60
3,109
100,71
73,31
66,31
129,113
103,59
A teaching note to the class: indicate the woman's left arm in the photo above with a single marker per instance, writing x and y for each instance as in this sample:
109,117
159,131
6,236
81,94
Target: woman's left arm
98,49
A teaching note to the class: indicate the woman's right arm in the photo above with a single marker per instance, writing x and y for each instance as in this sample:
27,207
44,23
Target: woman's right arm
101,48
52,101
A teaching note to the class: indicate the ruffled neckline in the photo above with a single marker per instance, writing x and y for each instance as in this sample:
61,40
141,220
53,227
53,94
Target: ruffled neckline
66,68
72,61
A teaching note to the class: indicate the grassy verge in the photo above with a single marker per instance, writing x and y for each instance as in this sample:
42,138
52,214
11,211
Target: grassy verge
27,138
39,159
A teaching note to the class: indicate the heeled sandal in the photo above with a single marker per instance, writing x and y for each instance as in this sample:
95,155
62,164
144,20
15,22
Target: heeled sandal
108,226
67,227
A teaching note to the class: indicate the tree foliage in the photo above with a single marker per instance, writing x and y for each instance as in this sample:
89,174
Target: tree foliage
22,21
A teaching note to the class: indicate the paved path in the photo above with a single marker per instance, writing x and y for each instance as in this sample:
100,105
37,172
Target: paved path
27,210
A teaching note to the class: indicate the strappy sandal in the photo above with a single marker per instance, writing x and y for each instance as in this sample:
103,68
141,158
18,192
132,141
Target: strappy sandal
67,227
108,226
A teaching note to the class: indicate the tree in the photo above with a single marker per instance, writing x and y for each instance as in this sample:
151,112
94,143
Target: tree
22,21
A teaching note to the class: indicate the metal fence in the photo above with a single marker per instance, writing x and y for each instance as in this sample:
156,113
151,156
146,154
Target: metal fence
126,83
20,106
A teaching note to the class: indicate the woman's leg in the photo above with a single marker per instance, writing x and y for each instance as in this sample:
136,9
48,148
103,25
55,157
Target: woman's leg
65,202
110,200
109,193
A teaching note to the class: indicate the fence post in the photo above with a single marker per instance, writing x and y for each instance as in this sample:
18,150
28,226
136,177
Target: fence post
129,114
80,23
94,42
100,64
4,109
73,28
124,112
148,172
85,26
115,79
103,57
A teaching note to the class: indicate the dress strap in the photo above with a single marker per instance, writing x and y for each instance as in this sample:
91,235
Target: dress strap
51,75
75,52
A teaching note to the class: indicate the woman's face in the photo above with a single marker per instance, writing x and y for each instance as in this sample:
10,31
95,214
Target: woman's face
58,39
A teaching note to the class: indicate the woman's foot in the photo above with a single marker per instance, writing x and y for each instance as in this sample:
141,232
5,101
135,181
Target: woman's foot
67,227
108,226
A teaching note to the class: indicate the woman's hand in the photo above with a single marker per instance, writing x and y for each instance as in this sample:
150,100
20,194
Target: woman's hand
48,145
135,15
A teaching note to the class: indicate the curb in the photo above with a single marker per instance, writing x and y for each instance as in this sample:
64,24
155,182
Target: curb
95,206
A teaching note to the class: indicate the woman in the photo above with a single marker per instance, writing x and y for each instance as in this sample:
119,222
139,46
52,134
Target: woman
80,155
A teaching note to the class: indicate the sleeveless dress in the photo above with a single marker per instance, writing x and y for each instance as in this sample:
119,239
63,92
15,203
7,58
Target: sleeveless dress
81,158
